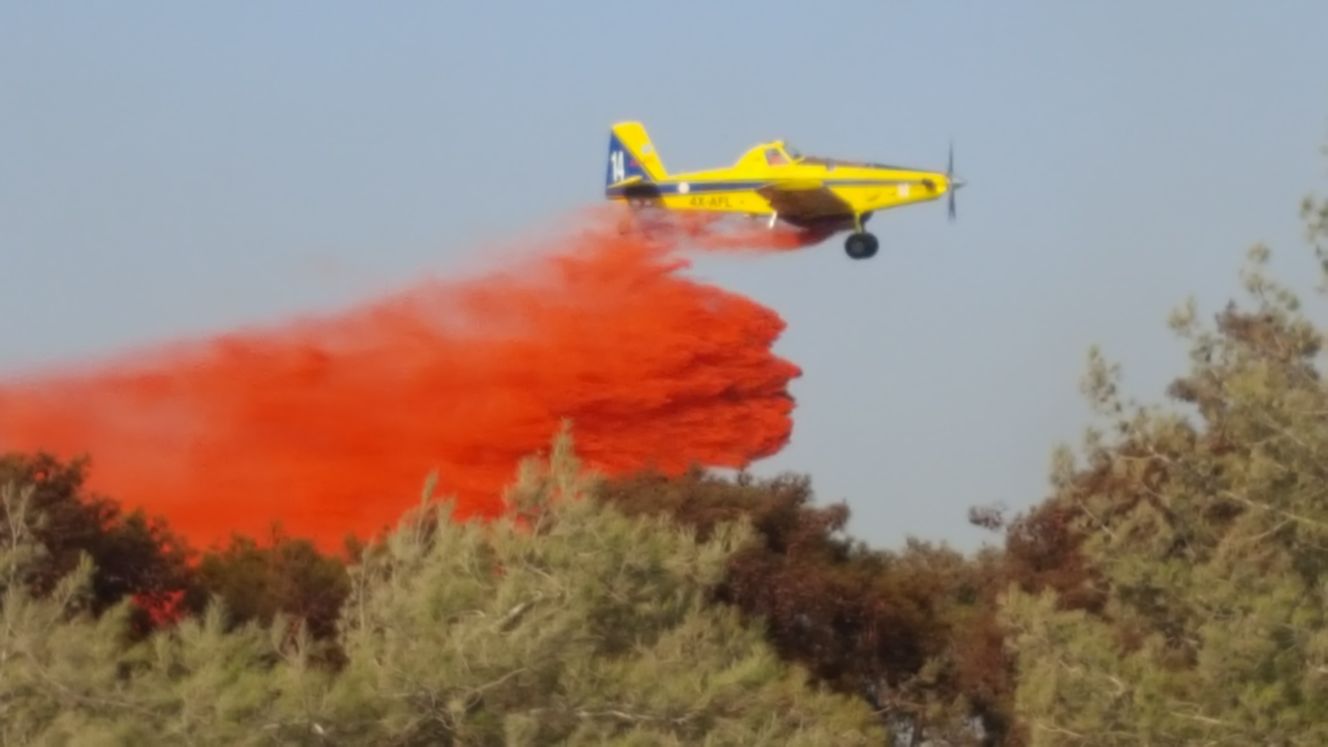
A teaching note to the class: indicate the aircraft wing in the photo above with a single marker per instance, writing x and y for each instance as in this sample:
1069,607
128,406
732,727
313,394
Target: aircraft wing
806,199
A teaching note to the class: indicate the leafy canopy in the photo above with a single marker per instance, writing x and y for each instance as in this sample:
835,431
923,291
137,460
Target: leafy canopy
566,622
1207,533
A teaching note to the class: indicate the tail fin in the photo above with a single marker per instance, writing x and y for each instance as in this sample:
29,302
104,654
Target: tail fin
631,154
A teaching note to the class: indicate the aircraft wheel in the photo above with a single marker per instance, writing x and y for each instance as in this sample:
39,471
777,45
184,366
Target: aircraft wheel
861,245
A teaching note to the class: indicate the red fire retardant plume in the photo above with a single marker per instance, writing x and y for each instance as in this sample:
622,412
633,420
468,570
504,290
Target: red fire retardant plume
330,426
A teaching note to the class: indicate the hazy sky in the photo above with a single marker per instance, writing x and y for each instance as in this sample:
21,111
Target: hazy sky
169,170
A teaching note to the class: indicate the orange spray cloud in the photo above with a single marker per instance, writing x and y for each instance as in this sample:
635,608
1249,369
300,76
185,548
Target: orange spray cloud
330,425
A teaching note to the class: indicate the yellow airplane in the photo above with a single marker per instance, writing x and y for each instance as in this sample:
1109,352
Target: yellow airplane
818,195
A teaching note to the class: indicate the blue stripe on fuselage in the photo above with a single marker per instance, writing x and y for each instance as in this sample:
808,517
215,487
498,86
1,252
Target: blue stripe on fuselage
673,187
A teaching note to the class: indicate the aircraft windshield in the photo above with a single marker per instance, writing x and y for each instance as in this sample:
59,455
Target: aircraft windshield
792,152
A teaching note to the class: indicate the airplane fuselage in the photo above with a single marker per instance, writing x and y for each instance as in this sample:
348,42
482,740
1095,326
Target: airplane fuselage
735,190
773,180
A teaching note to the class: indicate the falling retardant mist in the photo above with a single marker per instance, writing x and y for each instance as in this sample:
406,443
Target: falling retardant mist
330,426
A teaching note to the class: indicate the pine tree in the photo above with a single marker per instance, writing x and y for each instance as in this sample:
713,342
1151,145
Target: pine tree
1207,534
912,632
565,622
133,554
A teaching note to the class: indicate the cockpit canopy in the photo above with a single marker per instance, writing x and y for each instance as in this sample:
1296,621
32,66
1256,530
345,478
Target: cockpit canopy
781,153
774,153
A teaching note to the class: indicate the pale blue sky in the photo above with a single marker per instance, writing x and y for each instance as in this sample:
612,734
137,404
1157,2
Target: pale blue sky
168,170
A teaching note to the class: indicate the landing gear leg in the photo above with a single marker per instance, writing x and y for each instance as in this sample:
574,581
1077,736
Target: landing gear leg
860,244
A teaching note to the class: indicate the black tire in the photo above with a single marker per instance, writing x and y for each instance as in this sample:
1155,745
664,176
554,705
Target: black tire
861,245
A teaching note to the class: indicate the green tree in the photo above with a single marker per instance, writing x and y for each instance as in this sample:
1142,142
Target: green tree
286,576
566,622
911,632
1205,529
133,556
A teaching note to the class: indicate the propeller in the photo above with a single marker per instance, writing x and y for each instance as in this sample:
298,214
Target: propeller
954,183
